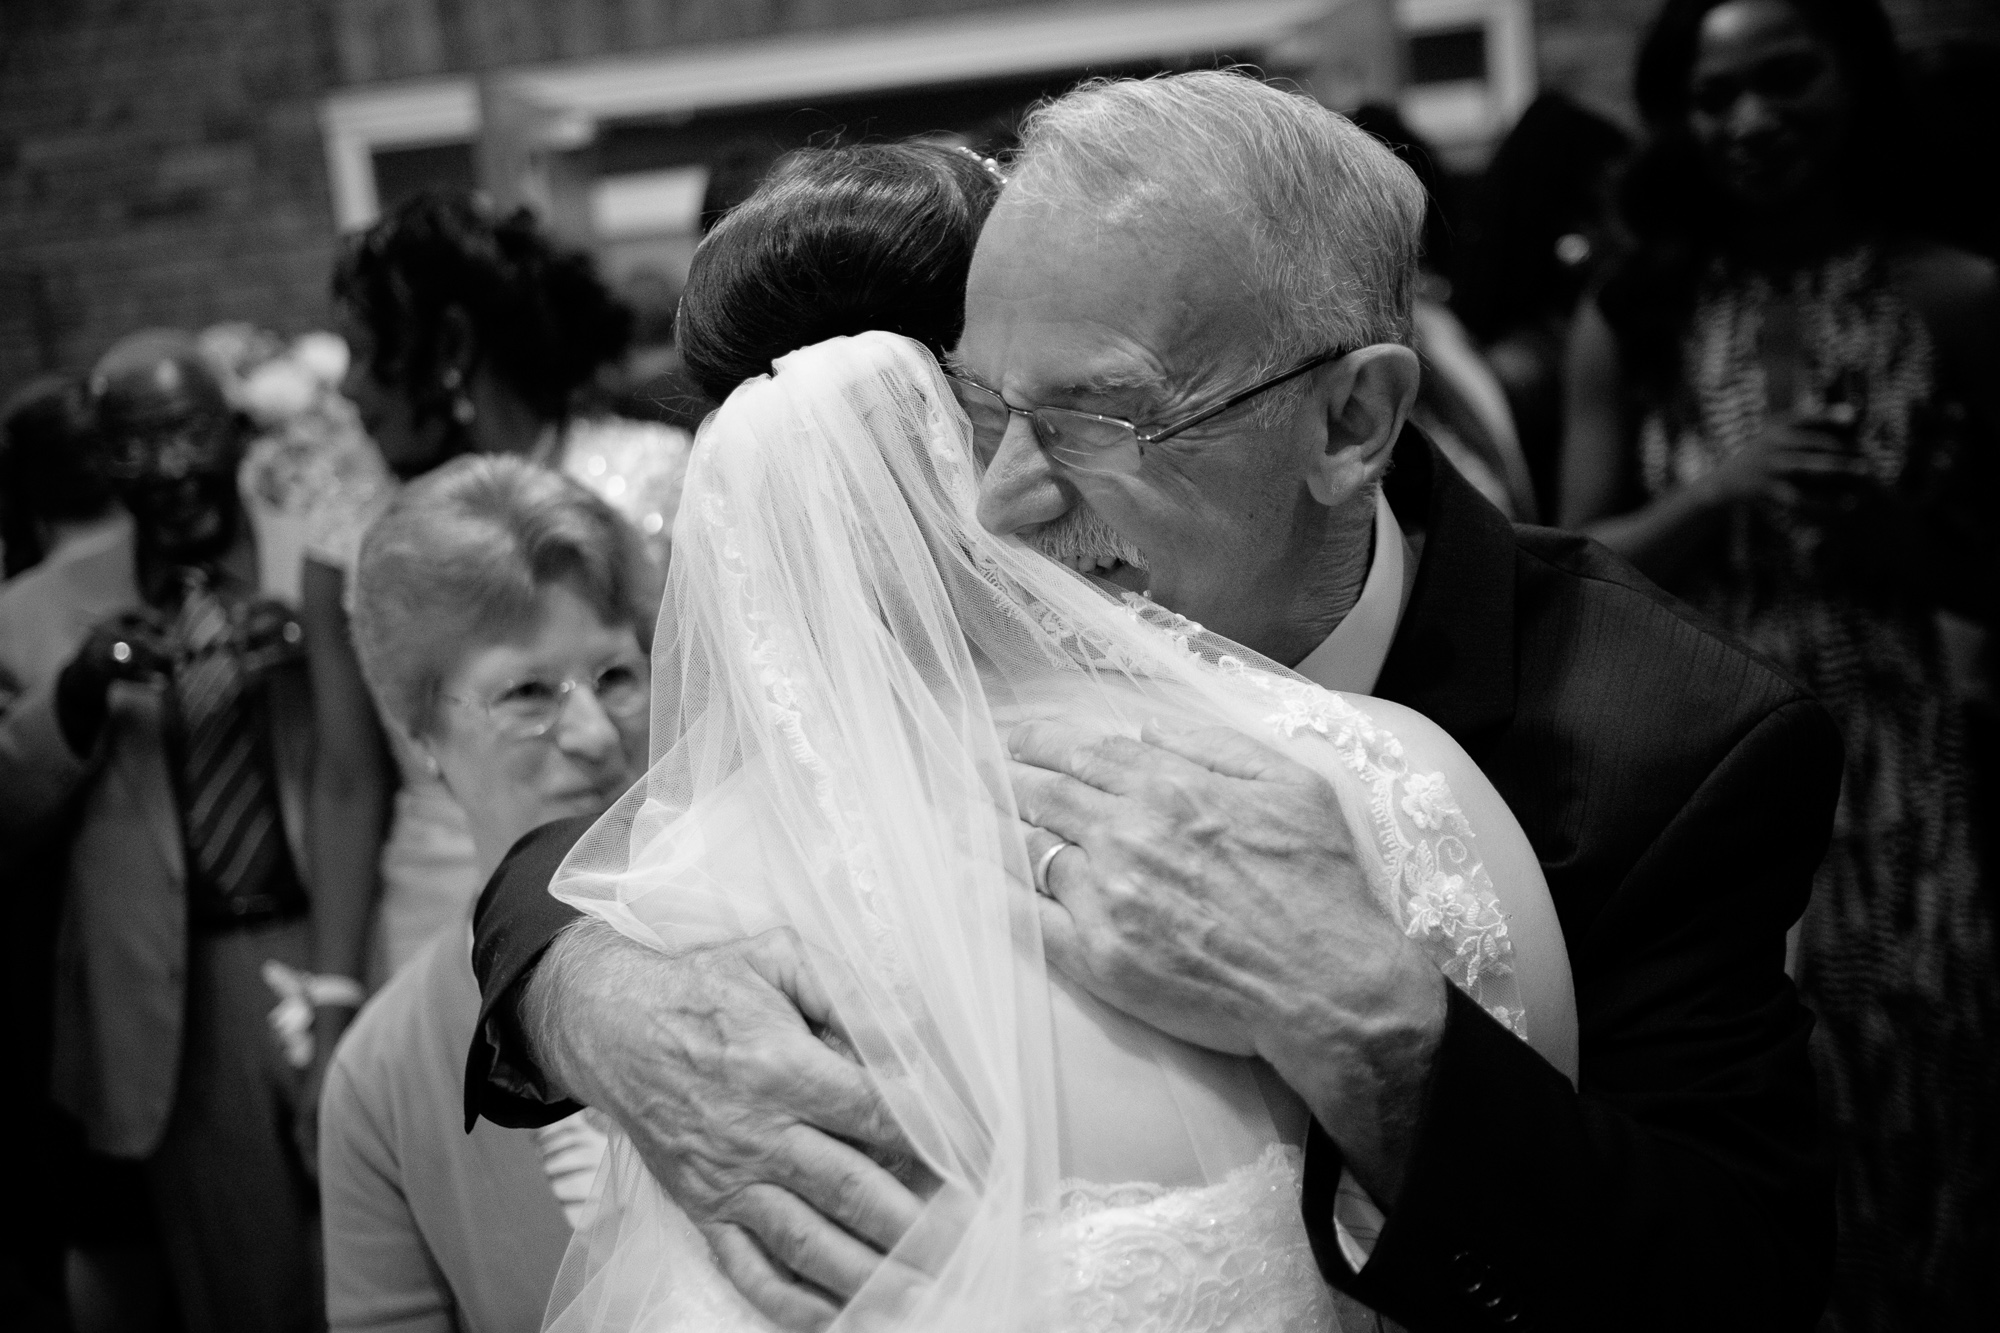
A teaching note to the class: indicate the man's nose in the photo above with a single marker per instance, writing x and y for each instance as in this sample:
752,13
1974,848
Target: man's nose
584,731
1019,489
1751,116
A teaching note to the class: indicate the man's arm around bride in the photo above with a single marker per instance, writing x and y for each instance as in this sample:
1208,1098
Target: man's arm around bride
1677,791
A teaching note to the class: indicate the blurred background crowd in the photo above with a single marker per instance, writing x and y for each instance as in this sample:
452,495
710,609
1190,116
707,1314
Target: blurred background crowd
338,345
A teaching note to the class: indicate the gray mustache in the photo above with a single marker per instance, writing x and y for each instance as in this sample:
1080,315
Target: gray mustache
1081,533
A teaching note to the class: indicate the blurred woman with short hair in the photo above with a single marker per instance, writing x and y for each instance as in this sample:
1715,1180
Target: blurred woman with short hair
502,615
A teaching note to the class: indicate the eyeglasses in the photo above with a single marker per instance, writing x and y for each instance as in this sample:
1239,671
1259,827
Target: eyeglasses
196,446
530,709
1086,441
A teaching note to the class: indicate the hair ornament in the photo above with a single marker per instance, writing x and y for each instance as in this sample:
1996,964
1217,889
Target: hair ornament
992,165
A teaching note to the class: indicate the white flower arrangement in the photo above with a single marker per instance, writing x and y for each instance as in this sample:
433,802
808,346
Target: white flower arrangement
308,435
308,451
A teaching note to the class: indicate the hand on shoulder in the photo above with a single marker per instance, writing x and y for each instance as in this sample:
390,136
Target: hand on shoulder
1218,895
747,1119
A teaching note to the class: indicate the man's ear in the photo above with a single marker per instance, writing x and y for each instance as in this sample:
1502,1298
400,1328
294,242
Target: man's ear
1366,396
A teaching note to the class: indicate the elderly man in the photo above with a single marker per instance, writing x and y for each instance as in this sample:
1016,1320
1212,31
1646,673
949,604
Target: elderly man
1165,246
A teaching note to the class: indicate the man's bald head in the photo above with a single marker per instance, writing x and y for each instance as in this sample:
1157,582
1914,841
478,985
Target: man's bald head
171,444
1327,221
155,378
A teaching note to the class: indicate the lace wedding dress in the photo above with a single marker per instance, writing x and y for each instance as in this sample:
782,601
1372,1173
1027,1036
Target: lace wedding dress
841,654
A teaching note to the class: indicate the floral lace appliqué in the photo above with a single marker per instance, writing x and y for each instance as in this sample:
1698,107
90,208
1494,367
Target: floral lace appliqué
1444,898
1437,889
1226,1258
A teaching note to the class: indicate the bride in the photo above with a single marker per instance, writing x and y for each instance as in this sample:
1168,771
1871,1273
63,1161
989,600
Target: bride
842,654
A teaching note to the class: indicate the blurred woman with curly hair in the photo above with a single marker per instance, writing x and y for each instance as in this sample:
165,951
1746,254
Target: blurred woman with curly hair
471,332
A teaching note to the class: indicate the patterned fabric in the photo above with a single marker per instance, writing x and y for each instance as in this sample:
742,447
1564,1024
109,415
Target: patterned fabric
637,467
1224,1258
340,492
1437,890
1896,953
238,867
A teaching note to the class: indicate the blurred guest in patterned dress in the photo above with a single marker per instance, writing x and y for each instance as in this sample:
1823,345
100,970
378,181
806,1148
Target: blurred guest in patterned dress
1783,408
469,332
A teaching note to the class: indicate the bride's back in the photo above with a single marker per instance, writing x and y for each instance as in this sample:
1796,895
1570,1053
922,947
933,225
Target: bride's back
841,654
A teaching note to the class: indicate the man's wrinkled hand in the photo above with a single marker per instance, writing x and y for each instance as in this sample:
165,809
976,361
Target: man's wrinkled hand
707,1061
1213,891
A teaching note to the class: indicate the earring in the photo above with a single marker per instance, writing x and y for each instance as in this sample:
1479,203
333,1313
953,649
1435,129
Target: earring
462,410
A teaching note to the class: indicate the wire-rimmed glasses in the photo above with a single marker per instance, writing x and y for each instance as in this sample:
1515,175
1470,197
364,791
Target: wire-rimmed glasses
529,708
1088,441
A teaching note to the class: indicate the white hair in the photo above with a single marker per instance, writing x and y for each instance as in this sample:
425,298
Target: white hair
1332,220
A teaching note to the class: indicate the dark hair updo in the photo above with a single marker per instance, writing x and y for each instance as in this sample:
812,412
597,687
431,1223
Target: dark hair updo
541,318
838,241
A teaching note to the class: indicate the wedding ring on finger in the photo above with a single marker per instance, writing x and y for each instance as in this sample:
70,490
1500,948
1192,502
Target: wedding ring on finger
1042,865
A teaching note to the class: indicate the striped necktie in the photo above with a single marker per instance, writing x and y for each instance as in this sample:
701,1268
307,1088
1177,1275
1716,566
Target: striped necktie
234,839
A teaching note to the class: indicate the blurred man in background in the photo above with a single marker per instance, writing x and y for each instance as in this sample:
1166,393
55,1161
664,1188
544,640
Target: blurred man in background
170,751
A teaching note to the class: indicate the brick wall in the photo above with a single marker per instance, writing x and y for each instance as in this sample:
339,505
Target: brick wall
161,163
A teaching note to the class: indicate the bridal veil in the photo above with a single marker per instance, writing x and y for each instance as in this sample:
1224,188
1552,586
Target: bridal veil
840,653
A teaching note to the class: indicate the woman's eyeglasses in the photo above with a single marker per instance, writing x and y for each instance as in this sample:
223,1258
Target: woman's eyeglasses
1086,441
530,709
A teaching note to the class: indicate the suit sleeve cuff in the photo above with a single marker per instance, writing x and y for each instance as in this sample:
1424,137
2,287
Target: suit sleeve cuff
1437,1262
512,927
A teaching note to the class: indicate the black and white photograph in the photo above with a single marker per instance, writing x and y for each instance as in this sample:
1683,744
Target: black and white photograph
1000,666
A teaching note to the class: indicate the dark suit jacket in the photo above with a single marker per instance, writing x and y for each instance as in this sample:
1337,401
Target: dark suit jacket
122,951
1679,792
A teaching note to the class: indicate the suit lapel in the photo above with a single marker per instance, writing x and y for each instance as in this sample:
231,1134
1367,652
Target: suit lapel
1453,656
